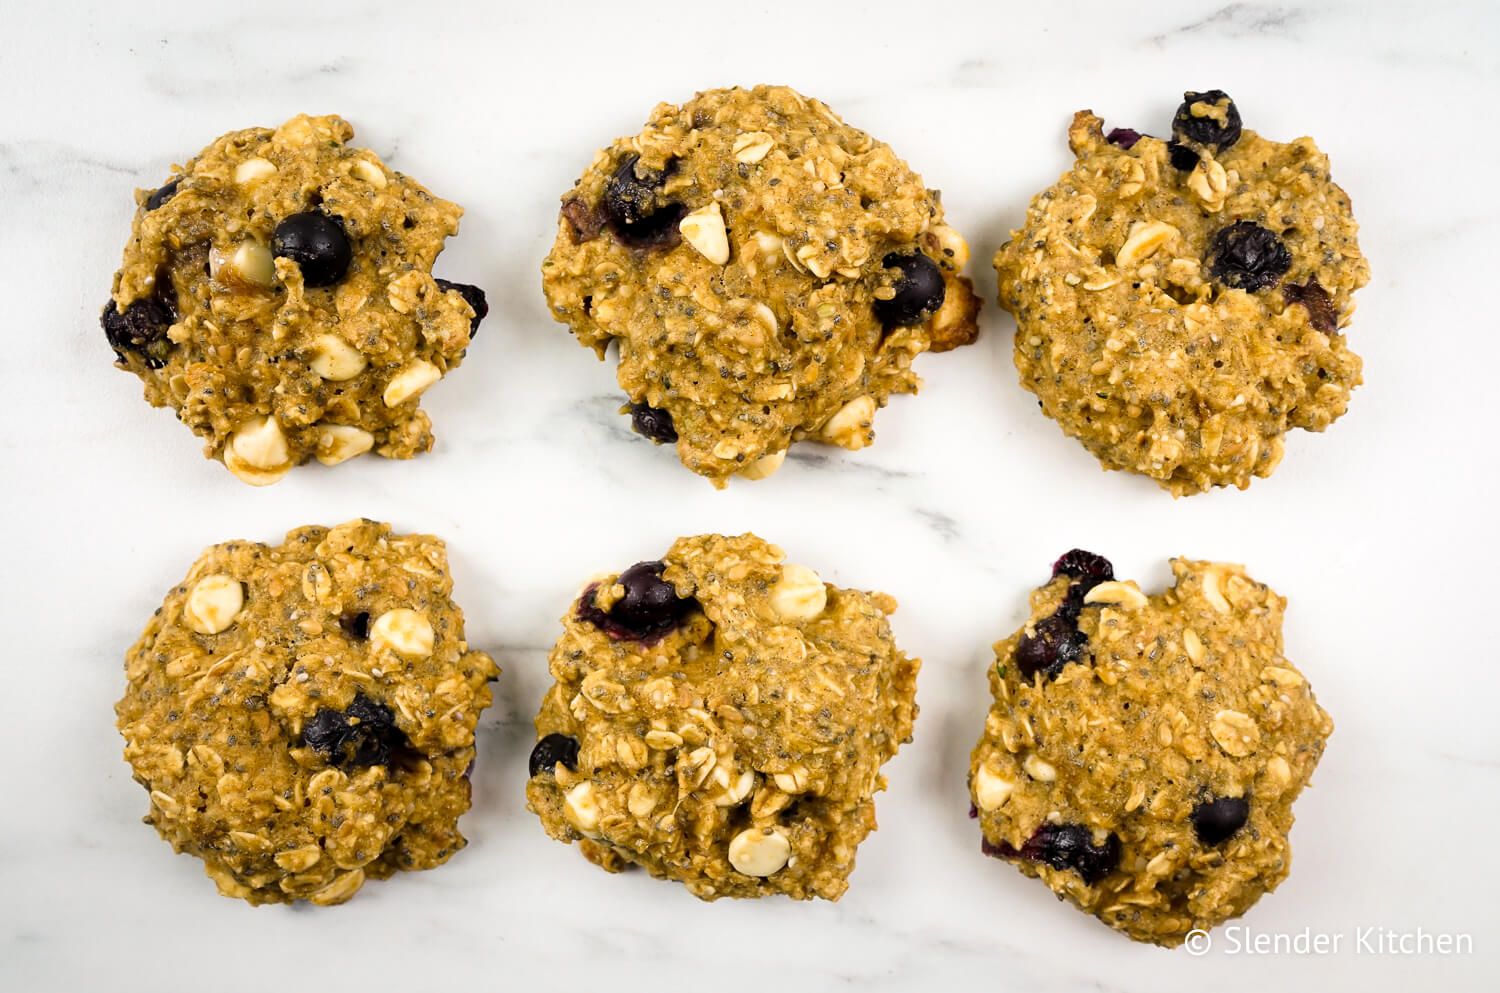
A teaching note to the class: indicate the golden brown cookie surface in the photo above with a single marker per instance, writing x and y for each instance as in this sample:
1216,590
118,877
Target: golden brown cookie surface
1179,306
277,293
1143,752
768,271
720,718
303,715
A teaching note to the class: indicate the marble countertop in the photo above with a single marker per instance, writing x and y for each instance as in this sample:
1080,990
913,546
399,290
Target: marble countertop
1379,531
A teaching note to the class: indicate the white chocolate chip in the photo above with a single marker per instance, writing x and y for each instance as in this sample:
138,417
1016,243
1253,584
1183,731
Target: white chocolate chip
799,595
369,172
756,852
990,789
248,473
850,427
1236,733
404,631
252,170
1122,594
411,381
753,146
581,807
214,603
764,466
248,266
704,230
335,359
260,444
342,442
951,245
1039,768
1144,238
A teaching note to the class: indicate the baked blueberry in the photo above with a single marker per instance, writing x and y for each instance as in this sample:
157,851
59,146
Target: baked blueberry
1183,158
1123,137
551,750
648,608
474,297
140,328
1071,846
919,290
1245,256
1057,642
162,193
652,423
1220,819
1088,568
317,243
363,735
633,208
1209,119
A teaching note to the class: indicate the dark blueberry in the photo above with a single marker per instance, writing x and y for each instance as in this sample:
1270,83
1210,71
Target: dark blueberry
633,208
1089,569
653,423
1316,301
1218,819
317,243
649,609
356,625
1071,846
162,194
1245,256
363,735
1056,643
474,297
552,749
1184,159
919,290
1124,137
141,328
1207,129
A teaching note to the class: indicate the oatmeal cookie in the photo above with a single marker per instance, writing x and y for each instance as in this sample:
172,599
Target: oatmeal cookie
277,293
1180,304
769,273
720,717
1143,752
303,715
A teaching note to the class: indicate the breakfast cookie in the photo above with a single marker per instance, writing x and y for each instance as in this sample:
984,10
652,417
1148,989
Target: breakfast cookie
1179,304
1143,752
278,294
303,715
769,273
720,718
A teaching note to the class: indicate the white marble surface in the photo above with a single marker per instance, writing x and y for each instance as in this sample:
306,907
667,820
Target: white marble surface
1381,532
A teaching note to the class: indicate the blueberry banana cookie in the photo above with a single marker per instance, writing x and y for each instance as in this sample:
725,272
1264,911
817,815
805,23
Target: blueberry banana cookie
1143,752
302,715
277,293
720,717
768,271
1180,304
